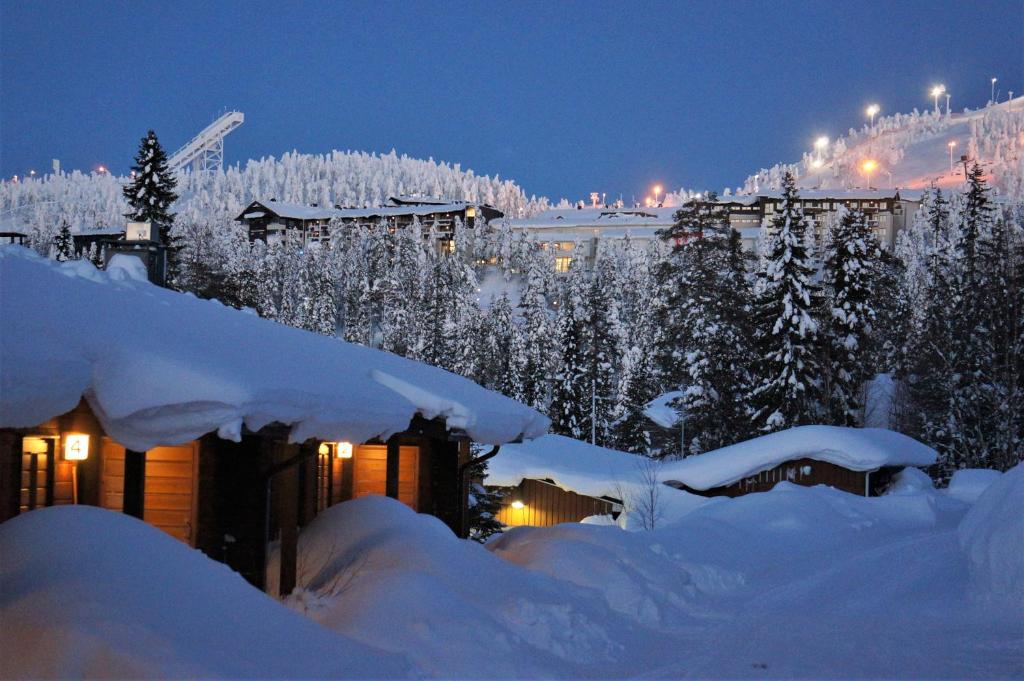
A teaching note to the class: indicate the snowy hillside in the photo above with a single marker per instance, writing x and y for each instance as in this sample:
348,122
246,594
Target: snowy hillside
911,152
90,201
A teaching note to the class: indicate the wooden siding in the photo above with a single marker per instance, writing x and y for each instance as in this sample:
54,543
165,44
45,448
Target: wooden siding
170,487
807,472
369,463
545,504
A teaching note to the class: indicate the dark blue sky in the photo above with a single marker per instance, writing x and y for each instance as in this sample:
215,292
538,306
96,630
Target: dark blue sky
564,97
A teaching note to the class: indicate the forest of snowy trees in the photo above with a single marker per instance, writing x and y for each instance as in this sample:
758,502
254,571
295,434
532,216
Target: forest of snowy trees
754,344
38,206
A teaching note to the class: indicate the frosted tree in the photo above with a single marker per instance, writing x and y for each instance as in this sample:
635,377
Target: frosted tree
850,266
496,369
572,390
319,307
606,342
787,372
63,245
533,346
715,308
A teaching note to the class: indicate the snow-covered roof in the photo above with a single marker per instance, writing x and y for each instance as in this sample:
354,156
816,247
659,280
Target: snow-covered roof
661,412
160,367
570,464
858,449
400,211
598,217
295,211
399,200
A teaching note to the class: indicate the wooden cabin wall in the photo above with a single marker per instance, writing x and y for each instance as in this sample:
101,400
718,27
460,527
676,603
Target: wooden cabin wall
820,473
545,504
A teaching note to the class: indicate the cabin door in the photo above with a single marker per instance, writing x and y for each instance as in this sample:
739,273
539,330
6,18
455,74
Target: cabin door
170,487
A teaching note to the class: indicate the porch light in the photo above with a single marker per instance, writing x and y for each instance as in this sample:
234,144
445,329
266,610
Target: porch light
344,450
324,449
76,447
518,505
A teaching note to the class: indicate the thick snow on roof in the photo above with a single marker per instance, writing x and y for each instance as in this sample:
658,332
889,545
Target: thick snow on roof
400,211
598,217
160,367
859,449
571,464
297,211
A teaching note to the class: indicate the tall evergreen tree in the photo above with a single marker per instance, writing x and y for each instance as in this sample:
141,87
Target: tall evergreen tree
787,371
532,347
573,390
63,244
151,193
851,263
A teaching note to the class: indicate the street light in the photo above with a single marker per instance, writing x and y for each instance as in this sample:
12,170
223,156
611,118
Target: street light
868,167
101,170
938,91
951,145
657,190
872,111
993,97
821,143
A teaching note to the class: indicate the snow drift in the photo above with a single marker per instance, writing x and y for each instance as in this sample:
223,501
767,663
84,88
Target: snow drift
992,536
162,368
92,593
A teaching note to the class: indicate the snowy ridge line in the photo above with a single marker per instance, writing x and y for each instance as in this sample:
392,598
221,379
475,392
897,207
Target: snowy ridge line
160,367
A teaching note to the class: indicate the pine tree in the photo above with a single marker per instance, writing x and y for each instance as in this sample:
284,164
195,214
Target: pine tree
573,390
63,244
532,347
151,193
849,272
495,351
715,310
605,349
787,373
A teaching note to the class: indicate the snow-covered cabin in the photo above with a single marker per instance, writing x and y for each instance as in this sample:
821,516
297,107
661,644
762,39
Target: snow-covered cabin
223,429
556,479
857,460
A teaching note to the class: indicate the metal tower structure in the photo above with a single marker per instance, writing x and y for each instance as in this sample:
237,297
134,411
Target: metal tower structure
205,151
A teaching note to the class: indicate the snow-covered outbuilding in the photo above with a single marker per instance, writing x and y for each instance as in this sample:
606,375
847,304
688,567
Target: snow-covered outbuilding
857,460
226,430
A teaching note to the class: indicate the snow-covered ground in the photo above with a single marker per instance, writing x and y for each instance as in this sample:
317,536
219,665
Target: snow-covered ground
797,582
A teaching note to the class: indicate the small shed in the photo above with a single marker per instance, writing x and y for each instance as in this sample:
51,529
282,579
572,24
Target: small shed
225,430
556,479
856,460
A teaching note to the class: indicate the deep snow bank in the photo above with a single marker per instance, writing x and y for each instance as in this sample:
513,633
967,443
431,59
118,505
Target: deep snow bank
378,572
91,593
992,536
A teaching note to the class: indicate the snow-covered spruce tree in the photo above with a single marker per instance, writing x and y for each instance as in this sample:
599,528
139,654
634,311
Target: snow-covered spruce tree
632,428
717,360
319,307
572,389
850,265
533,346
606,341
787,372
495,350
151,193
482,514
63,245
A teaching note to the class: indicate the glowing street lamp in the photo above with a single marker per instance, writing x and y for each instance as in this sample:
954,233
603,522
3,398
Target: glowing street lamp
101,170
951,145
992,98
868,167
821,143
872,111
656,190
817,163
938,91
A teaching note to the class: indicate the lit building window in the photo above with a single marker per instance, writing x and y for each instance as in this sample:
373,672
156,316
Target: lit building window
562,263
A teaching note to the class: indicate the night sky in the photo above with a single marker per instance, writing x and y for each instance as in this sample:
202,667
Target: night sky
563,97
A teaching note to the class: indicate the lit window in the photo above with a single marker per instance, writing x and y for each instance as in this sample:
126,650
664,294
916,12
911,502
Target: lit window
562,263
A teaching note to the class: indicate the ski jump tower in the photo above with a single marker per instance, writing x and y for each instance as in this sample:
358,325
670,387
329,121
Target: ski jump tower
205,151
